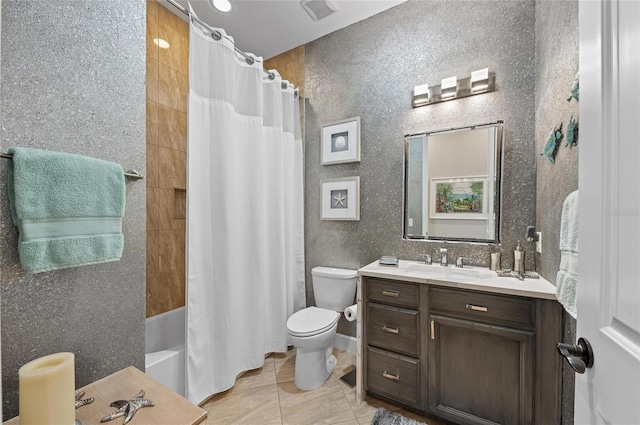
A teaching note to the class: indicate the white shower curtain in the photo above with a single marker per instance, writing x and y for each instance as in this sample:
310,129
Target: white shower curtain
245,247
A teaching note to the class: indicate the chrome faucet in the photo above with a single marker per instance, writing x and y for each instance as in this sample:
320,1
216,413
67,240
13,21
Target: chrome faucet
443,257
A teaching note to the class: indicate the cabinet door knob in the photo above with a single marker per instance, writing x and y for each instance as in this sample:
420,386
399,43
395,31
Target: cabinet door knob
392,376
390,330
579,356
388,293
476,307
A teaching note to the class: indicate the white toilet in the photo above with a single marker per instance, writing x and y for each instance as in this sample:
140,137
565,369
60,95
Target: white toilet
313,330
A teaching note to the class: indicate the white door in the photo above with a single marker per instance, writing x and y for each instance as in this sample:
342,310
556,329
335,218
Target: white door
609,273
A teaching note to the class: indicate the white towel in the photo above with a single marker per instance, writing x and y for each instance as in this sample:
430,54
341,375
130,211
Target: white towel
567,278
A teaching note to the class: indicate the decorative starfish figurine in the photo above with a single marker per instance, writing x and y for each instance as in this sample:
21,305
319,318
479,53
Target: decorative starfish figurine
80,401
339,199
128,408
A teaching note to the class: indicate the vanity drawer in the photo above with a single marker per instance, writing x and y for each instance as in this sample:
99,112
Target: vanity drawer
393,328
497,309
393,375
396,293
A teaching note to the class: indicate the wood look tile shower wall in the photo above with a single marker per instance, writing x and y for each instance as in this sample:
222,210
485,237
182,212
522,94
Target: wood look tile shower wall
167,90
290,65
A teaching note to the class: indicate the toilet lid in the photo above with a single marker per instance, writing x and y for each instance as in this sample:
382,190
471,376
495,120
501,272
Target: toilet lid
311,321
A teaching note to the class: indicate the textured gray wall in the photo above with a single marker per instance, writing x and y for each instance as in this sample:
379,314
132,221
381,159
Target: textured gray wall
557,63
73,80
369,70
557,40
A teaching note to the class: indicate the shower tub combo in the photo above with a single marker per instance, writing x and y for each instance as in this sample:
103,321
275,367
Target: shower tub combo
164,353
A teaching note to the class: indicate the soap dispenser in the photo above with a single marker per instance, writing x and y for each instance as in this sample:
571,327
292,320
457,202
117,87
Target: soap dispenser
518,259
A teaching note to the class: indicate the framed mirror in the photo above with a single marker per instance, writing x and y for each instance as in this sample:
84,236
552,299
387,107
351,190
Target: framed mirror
452,184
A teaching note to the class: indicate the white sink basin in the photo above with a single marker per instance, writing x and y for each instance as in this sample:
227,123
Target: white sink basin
427,268
450,273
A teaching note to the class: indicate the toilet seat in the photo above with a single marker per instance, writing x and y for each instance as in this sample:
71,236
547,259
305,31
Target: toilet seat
311,321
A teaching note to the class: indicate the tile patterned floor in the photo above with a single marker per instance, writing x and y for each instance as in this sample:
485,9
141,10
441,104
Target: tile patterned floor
268,396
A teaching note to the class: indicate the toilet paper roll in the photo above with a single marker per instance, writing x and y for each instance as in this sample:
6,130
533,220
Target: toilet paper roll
351,313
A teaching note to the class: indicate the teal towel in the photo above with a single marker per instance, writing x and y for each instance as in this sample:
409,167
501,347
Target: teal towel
567,277
68,209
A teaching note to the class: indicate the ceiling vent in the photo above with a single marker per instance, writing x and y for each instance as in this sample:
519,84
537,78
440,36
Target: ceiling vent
317,9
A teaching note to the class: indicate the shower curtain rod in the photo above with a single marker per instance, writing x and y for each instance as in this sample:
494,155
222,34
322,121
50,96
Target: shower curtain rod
131,174
217,36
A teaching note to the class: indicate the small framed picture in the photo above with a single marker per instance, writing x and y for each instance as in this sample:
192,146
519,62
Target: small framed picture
459,198
341,142
340,198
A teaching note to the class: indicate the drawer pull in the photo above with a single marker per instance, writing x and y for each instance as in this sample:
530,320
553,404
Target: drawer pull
476,307
390,330
433,329
392,376
388,293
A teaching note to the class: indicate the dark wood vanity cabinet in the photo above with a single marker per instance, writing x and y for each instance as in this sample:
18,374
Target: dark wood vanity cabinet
467,357
480,373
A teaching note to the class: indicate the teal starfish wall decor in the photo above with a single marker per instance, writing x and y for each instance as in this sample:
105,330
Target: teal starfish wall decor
572,132
553,141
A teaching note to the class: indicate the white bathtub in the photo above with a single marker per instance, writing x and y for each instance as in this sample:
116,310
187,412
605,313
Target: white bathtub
164,348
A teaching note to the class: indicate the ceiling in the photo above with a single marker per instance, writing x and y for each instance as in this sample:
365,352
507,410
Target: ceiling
269,27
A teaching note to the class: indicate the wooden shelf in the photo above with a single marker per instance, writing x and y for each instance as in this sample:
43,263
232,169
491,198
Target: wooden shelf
170,407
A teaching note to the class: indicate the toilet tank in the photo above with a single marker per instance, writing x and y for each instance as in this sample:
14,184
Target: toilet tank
334,289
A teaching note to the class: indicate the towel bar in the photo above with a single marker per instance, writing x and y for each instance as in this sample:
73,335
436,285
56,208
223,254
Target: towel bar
130,174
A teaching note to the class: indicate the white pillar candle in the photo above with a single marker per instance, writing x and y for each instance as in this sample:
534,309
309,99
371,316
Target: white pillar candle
47,390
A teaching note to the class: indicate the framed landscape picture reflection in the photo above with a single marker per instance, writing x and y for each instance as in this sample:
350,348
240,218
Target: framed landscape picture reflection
459,198
340,142
340,199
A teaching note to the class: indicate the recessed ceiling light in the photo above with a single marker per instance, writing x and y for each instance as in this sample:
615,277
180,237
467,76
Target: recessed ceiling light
221,5
163,44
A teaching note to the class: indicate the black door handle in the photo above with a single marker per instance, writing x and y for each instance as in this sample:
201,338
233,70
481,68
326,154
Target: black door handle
579,356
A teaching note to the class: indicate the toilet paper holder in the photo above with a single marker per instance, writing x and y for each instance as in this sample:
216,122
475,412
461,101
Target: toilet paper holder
351,312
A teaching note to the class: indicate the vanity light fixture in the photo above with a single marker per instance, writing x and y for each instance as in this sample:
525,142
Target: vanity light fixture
449,87
481,81
421,95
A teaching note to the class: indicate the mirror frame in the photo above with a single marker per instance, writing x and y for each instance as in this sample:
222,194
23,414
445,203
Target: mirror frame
499,169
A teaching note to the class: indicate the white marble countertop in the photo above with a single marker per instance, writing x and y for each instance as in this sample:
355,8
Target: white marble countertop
414,271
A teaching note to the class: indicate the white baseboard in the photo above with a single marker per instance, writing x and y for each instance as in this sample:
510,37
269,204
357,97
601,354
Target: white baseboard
346,343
